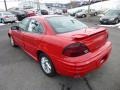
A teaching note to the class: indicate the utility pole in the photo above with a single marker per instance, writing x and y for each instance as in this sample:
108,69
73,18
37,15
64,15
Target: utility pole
5,5
38,5
71,4
89,6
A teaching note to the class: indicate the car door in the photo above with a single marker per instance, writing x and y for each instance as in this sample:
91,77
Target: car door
33,37
18,34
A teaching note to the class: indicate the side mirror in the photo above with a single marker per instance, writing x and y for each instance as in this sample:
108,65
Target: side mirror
14,28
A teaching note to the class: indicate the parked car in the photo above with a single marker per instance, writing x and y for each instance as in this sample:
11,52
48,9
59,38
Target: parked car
72,13
7,17
94,1
111,17
42,12
86,2
84,13
62,44
20,14
30,12
58,11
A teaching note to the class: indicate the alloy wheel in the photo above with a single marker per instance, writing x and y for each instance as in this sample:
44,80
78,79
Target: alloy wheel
46,66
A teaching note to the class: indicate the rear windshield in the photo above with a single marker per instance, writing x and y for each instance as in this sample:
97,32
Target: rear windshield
62,24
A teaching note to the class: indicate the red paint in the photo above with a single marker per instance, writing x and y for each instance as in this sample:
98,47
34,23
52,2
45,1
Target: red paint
30,13
95,39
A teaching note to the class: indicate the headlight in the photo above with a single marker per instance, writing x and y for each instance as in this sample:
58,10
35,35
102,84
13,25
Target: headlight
100,19
79,14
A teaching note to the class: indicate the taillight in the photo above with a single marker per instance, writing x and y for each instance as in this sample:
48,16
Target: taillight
6,17
76,49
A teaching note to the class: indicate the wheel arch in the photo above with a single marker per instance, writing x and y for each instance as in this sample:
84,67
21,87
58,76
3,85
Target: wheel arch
9,35
38,53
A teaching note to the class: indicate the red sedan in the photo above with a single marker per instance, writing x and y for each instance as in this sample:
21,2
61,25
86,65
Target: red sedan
62,44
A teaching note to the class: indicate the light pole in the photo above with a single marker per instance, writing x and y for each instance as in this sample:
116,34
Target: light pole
5,5
89,7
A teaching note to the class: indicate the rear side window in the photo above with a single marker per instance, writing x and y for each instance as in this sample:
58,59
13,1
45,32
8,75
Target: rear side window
35,27
62,24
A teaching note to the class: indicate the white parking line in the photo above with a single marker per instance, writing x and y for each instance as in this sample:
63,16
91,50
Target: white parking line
119,25
116,25
1,24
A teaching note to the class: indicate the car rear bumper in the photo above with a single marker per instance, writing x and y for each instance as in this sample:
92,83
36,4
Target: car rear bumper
10,19
107,22
79,68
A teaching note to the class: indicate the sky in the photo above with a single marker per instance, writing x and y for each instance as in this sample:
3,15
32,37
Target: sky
12,3
56,1
48,1
60,1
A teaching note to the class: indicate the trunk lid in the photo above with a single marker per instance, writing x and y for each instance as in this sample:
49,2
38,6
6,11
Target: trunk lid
93,38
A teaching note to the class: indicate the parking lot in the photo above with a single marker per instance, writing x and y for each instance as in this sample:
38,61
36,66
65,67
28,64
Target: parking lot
18,71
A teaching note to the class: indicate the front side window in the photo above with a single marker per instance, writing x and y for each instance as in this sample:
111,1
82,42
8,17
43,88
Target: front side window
24,24
62,24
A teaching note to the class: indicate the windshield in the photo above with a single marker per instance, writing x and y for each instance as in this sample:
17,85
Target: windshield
7,13
112,12
62,24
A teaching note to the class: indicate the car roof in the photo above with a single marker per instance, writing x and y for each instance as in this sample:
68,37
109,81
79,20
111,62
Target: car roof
2,11
45,16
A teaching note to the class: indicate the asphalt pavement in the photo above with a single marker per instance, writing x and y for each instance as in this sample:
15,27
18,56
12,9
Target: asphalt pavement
18,71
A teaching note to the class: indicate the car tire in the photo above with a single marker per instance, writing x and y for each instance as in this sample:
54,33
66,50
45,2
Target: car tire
83,16
47,65
95,14
12,42
13,22
116,21
2,21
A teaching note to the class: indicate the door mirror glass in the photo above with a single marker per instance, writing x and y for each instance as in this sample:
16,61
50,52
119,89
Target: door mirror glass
14,28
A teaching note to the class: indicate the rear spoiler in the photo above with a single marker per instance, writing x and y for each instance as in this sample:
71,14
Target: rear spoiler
83,36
